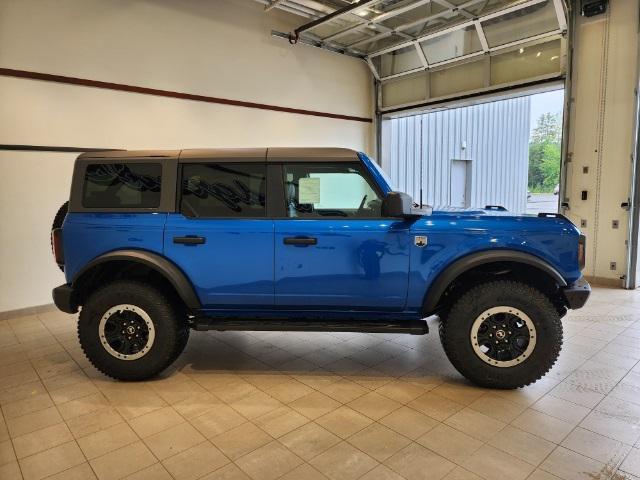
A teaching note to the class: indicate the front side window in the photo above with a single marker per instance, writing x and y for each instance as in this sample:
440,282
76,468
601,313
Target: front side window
224,190
122,185
315,190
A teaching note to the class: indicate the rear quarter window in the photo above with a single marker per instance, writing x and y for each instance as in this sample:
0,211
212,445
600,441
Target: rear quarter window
122,185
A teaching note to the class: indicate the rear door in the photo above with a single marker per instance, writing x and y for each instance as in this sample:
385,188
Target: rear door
333,249
221,236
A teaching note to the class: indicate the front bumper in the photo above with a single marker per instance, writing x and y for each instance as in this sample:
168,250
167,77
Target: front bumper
64,298
577,293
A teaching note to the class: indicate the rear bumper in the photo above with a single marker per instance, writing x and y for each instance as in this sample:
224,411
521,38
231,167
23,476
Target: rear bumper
577,293
63,297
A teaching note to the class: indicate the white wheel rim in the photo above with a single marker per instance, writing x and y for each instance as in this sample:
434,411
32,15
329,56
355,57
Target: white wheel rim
501,337
132,330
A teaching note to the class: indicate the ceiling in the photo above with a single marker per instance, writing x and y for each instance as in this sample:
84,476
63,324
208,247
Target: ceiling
401,37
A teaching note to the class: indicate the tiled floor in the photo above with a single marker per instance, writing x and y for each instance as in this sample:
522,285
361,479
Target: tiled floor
309,406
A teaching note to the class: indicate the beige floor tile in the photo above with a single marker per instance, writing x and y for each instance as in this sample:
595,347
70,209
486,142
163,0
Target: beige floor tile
450,443
27,405
105,441
459,393
309,440
33,421
522,445
343,462
413,461
72,392
79,472
290,391
344,421
173,440
82,406
228,472
122,462
41,440
542,475
52,461
305,472
255,405
93,422
156,421
577,394
378,441
314,405
154,472
570,465
241,440
374,405
217,421
381,472
268,462
475,424
408,422
344,391
632,463
195,462
21,392
612,427
280,421
460,473
497,407
10,471
493,464
596,446
401,391
435,406
562,409
543,425
7,454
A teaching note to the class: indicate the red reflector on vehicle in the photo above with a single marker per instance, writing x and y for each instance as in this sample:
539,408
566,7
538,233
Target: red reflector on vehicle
56,245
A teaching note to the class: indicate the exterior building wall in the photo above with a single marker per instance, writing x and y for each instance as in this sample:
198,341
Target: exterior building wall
418,151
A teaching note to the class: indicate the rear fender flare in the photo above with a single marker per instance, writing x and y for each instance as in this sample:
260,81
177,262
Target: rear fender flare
169,270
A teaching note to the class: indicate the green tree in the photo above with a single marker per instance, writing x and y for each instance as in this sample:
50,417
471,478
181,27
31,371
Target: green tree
544,154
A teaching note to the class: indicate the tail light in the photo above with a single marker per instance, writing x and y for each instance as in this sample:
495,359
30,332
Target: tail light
582,240
56,245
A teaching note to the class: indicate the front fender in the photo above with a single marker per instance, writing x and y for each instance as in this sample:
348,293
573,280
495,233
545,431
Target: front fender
458,267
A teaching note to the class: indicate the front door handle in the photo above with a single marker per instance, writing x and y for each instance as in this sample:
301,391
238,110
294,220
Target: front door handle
190,240
300,241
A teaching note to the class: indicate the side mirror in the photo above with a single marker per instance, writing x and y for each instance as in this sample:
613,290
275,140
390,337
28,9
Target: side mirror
397,205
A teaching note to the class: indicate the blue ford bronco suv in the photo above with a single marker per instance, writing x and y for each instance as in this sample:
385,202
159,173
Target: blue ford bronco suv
156,243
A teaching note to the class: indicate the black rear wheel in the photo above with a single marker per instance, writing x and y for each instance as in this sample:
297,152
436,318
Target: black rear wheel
502,334
131,331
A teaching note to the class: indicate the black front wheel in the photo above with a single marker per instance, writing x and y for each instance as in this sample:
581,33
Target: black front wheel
131,331
502,334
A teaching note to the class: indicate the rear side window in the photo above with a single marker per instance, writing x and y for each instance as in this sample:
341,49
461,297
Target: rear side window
122,185
224,190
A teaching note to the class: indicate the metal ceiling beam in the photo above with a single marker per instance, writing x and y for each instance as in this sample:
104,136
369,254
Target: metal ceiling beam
349,9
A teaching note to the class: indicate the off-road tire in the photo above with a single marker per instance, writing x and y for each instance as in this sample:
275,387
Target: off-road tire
171,329
455,334
57,222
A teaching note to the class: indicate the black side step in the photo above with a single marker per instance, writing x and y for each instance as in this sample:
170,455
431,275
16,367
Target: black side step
413,327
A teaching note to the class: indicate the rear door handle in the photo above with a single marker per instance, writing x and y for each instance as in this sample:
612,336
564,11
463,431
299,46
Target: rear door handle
300,241
190,240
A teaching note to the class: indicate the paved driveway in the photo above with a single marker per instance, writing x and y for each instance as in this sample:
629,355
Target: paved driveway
542,202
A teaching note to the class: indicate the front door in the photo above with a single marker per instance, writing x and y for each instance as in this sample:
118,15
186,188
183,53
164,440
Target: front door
221,237
334,250
459,186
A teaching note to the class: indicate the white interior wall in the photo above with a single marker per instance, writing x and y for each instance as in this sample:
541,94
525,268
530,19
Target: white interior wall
601,133
221,49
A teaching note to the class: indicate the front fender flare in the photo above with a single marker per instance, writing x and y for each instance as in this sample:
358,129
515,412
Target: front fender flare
457,268
169,270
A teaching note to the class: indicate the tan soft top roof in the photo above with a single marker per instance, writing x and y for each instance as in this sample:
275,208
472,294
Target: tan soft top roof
231,154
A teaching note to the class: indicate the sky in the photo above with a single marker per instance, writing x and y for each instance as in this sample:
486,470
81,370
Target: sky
548,102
